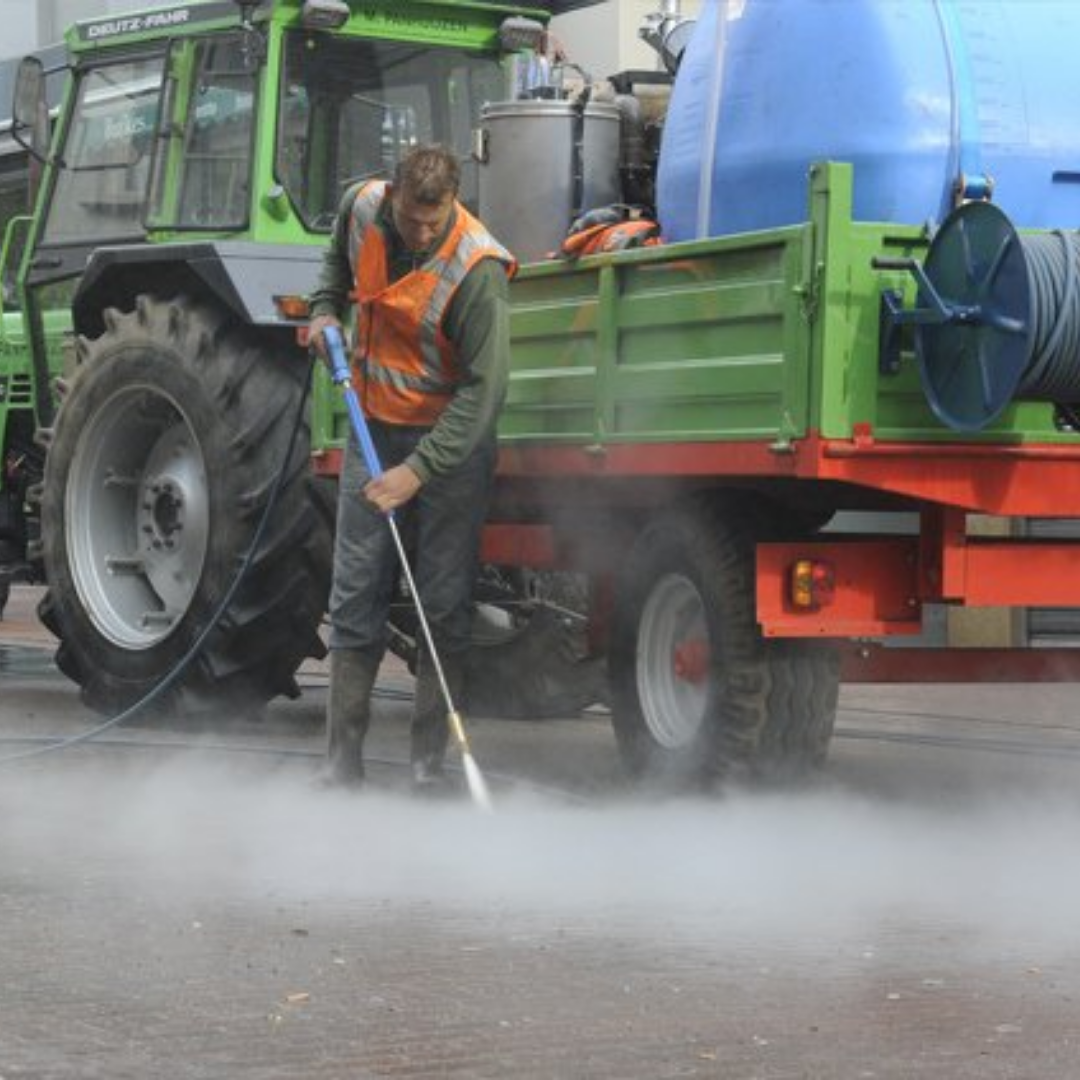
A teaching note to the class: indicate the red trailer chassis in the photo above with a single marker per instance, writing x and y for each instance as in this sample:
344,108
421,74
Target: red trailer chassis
879,584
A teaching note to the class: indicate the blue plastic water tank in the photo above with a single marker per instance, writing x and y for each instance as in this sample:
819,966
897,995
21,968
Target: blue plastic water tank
911,92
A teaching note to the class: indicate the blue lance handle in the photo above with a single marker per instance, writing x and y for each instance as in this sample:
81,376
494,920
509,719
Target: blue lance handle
339,372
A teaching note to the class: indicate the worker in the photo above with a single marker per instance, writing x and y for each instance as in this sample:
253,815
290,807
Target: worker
429,363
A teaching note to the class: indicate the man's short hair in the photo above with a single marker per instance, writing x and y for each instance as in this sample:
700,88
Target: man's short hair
427,174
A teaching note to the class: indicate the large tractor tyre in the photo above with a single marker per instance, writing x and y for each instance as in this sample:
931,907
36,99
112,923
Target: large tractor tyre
794,744
689,671
164,454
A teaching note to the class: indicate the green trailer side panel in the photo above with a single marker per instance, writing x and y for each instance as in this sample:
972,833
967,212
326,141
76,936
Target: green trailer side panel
765,336
698,341
554,355
712,344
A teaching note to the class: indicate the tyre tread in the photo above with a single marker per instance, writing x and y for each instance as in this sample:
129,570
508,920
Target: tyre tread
273,623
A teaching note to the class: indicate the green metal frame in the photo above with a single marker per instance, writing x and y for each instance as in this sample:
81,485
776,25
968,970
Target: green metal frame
766,336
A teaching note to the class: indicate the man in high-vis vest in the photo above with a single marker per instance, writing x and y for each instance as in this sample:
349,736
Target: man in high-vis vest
429,363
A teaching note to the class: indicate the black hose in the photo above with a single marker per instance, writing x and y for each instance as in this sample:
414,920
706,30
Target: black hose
1053,372
185,661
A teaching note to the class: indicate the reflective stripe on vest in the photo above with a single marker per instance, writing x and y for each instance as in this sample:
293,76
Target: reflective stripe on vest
404,366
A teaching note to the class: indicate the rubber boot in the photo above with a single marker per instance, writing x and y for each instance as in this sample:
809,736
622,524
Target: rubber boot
430,729
348,712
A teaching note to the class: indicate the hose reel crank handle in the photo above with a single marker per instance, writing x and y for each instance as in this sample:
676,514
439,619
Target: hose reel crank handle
894,315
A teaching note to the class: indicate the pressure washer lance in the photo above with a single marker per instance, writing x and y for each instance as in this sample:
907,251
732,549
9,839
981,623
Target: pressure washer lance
335,348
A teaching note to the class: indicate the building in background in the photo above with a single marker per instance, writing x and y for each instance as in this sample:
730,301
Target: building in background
33,24
603,38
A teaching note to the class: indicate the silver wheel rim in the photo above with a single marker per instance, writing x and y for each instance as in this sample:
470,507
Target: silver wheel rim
673,685
137,516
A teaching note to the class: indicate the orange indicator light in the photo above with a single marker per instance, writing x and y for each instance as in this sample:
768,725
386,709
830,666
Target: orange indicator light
813,584
292,307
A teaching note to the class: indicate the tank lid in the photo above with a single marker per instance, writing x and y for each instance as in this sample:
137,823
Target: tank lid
542,107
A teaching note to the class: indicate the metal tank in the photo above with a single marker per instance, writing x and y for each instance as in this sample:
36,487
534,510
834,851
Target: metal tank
917,94
543,162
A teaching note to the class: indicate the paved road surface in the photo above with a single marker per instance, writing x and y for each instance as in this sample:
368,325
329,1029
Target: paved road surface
198,911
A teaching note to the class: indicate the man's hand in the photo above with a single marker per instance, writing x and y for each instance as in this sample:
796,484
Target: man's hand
394,488
315,333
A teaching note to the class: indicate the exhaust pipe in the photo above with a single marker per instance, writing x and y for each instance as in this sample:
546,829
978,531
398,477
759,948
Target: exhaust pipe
668,32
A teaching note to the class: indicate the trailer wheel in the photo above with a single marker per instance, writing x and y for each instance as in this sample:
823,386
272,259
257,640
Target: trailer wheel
164,453
802,710
690,677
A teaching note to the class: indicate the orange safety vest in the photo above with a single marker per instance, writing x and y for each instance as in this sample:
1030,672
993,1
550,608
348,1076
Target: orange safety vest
404,367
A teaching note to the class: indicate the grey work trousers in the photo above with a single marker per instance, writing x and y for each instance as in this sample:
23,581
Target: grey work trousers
441,528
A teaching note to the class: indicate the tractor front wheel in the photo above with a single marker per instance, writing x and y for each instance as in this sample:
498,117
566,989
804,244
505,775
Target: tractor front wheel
164,454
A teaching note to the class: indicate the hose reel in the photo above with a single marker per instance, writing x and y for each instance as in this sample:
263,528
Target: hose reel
997,317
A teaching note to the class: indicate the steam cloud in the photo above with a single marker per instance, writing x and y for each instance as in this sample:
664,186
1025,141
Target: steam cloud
826,861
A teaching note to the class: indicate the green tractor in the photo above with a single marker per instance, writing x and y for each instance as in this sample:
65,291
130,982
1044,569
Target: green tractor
195,168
